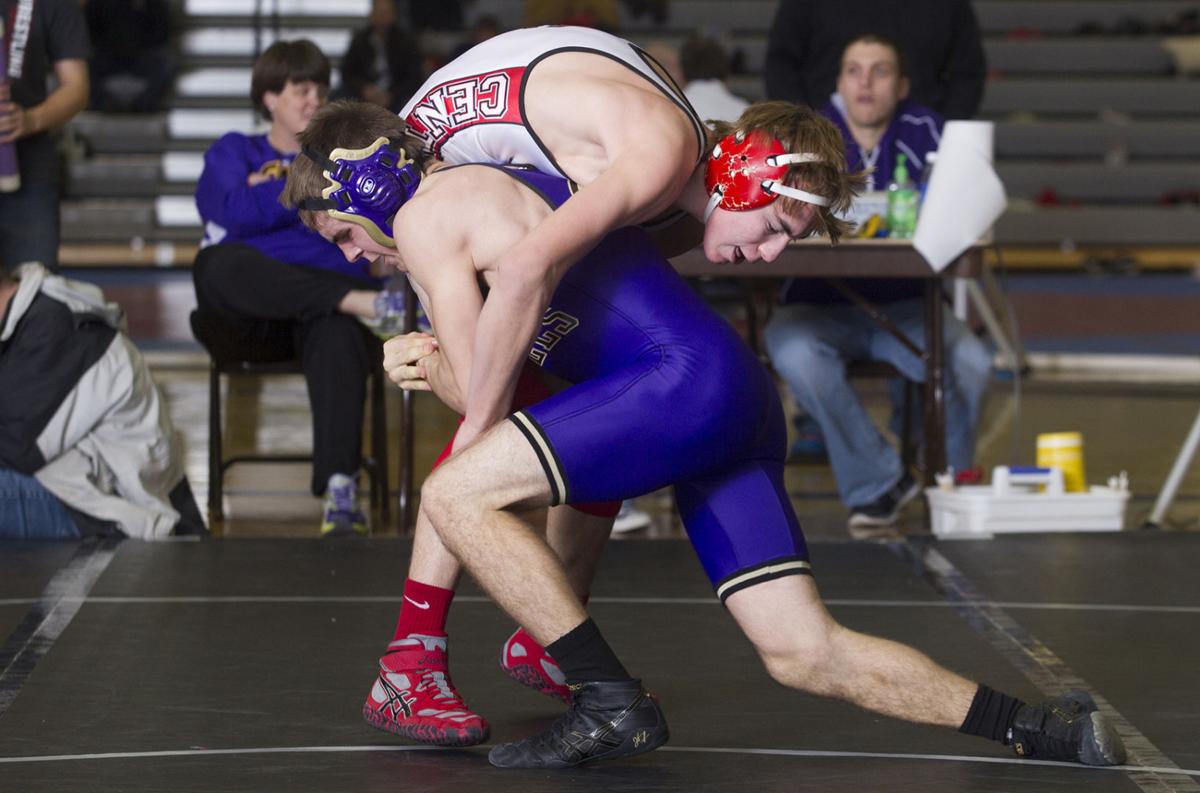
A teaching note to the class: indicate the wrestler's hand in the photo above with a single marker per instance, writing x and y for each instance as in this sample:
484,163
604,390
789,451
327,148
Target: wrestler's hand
403,360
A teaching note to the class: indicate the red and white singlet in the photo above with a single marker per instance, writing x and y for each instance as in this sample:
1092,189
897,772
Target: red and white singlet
470,110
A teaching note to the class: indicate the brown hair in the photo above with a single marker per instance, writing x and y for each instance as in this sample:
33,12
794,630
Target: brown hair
296,61
801,129
883,41
345,124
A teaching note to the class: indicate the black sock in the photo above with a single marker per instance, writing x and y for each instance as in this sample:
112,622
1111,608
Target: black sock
991,714
584,656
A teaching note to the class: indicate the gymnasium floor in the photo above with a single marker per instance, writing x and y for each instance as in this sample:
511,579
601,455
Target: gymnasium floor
240,663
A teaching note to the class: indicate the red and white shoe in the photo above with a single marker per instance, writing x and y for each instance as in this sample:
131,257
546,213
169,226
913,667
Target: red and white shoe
527,662
414,698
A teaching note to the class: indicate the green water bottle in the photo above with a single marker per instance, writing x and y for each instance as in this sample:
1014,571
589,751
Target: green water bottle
901,202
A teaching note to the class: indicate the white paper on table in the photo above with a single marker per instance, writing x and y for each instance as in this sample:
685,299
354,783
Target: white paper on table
964,197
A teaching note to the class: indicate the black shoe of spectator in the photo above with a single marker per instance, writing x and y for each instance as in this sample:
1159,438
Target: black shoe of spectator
884,510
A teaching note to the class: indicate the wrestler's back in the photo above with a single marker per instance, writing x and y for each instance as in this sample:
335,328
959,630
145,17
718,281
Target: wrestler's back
547,97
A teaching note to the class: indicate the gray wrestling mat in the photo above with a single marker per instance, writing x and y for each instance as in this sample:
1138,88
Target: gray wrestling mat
242,665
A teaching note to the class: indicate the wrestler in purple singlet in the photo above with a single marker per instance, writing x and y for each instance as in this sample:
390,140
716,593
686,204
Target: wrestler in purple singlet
656,370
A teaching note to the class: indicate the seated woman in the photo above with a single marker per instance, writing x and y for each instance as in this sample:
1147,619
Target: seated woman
273,289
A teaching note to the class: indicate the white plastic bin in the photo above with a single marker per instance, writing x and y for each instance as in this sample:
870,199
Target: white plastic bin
1012,503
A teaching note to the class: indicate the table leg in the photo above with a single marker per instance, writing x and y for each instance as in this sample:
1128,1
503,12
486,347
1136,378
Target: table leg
407,433
934,403
406,461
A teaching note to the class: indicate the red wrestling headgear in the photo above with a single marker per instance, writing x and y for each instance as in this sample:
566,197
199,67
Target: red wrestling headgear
746,172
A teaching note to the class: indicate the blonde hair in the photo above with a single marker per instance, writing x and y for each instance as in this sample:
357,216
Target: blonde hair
345,124
801,129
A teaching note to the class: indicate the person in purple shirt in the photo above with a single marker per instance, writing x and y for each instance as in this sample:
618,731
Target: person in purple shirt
818,332
268,288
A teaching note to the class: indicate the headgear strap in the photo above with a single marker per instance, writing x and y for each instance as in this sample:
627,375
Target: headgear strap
746,172
366,186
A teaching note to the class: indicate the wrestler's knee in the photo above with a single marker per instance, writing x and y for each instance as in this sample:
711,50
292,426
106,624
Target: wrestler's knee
799,656
445,503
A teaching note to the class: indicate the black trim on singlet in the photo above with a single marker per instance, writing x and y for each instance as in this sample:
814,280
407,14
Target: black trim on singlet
551,465
760,573
680,101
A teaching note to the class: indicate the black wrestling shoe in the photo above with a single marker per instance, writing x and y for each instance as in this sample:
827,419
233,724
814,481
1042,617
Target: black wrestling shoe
1067,728
606,720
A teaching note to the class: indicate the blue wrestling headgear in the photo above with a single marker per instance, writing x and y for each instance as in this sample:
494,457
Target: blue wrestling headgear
366,186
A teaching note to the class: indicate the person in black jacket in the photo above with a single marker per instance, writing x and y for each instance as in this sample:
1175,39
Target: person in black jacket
382,65
940,40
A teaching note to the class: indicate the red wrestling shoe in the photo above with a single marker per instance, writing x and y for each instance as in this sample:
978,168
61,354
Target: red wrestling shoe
414,698
527,662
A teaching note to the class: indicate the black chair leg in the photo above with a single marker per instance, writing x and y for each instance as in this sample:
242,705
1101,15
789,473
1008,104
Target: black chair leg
216,471
379,447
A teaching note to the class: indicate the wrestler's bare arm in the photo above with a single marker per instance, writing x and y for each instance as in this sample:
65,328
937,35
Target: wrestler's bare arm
447,239
646,173
441,270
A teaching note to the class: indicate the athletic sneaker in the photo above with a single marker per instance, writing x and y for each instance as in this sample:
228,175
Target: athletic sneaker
389,315
884,510
1067,728
606,720
342,517
414,698
527,662
630,518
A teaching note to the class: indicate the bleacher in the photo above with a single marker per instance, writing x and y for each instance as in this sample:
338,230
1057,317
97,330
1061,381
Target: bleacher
1097,137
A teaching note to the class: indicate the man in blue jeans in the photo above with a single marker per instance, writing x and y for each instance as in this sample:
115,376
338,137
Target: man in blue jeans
817,332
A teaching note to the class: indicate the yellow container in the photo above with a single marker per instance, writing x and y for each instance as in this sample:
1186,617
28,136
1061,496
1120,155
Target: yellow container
1063,450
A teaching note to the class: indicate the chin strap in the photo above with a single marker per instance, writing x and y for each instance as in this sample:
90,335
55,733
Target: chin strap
366,186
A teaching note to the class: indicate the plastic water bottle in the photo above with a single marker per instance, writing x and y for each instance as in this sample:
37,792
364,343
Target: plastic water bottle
901,202
926,178
10,177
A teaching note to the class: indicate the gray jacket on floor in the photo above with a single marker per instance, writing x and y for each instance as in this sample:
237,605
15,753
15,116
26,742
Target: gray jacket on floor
80,411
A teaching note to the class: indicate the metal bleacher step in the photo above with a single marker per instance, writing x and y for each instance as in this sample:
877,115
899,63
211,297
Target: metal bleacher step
1098,183
998,17
1069,140
1085,56
314,9
203,125
1093,225
1145,98
121,175
107,219
106,133
240,41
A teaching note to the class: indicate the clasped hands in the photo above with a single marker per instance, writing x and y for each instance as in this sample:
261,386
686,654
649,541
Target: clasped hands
408,358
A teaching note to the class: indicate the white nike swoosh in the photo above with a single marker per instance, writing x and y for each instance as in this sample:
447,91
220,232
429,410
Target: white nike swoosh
419,604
